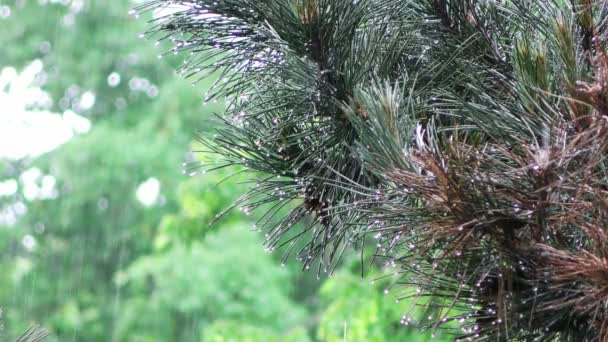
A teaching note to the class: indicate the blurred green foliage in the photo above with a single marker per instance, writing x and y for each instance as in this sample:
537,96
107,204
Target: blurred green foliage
105,267
201,203
362,311
226,277
229,331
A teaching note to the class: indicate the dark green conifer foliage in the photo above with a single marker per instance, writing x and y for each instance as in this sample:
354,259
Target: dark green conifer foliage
468,137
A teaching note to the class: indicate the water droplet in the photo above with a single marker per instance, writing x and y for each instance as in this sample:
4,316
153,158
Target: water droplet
113,79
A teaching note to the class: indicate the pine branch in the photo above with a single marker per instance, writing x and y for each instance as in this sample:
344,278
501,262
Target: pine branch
33,334
467,137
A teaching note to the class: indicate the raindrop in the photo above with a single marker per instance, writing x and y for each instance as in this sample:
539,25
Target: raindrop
152,91
29,242
114,79
5,12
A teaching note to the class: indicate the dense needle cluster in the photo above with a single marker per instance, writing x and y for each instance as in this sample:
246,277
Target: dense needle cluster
468,137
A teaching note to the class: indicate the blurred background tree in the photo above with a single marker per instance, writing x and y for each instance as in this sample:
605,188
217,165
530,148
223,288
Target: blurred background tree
102,236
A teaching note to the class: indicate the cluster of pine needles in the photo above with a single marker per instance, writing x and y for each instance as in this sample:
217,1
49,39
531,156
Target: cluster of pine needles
466,138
